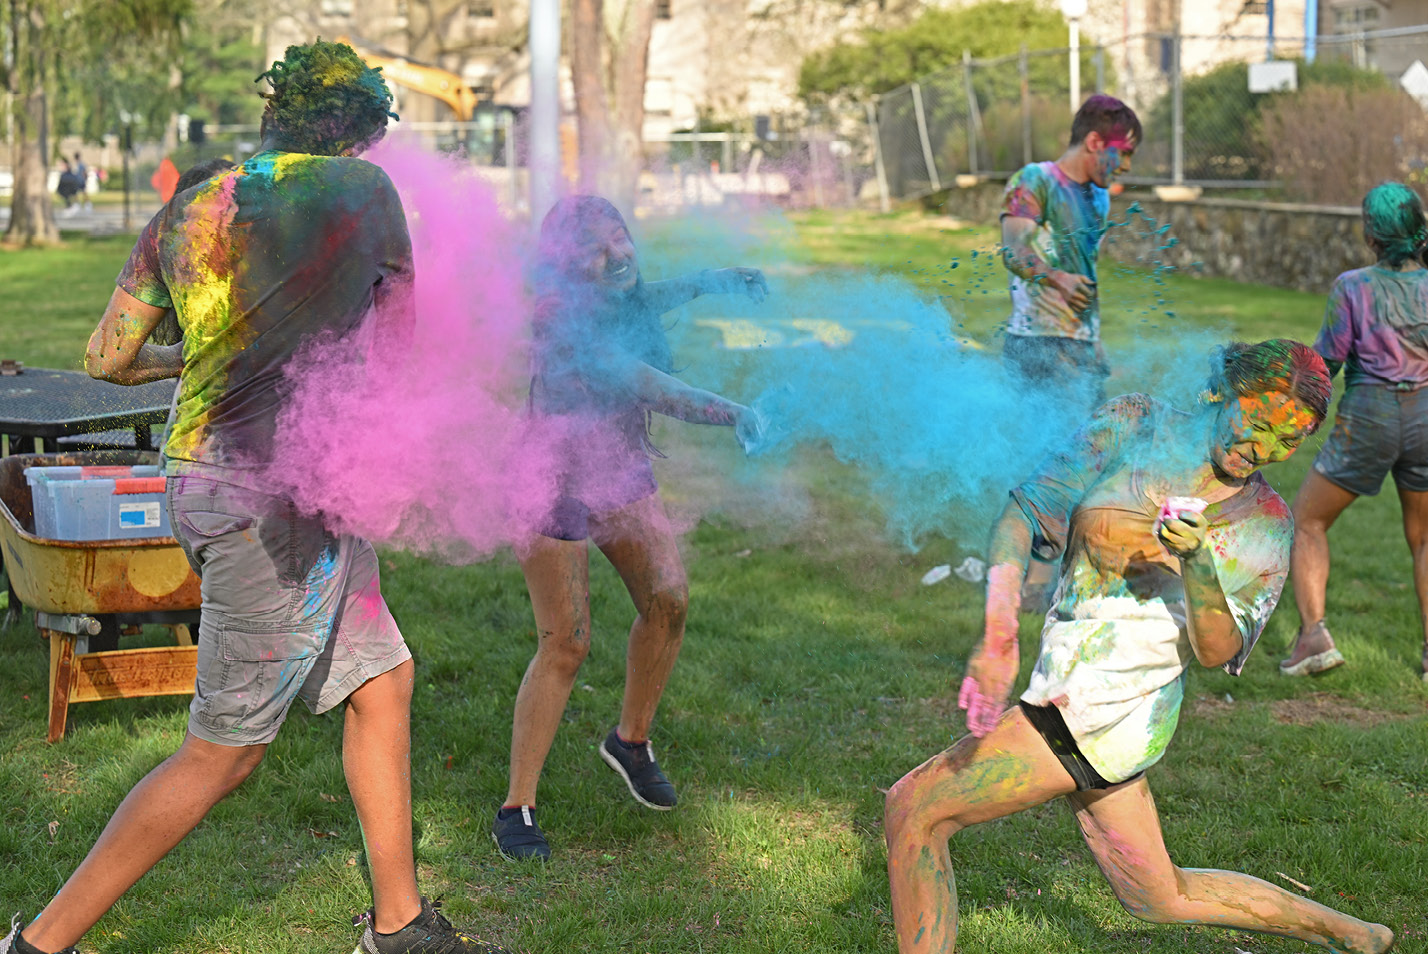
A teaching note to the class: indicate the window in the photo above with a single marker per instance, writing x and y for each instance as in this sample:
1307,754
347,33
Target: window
664,9
481,9
1356,18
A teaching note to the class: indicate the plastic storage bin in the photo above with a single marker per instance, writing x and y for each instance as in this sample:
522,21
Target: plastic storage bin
98,503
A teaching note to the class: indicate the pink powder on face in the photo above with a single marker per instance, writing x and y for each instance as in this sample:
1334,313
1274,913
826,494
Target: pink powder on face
429,450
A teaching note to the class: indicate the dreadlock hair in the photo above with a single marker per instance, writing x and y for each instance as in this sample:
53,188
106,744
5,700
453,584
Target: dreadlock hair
325,100
1394,222
1279,365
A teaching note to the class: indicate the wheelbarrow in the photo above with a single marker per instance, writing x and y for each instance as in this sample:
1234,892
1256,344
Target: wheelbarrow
85,593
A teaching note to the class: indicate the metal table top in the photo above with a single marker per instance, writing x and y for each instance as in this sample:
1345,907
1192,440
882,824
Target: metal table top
44,403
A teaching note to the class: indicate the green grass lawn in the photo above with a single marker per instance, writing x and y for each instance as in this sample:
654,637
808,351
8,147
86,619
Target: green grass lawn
816,671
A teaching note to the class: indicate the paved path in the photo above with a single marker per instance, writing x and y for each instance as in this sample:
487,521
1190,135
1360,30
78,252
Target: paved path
101,220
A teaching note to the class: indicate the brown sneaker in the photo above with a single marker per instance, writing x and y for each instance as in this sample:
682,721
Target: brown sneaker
1313,652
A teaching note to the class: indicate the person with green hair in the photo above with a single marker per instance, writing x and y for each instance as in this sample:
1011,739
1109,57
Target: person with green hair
1376,329
303,242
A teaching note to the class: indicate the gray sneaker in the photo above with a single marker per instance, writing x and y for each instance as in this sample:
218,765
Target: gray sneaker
1328,656
429,933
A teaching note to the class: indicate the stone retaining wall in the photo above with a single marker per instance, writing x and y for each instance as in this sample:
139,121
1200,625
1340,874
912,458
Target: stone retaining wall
1271,243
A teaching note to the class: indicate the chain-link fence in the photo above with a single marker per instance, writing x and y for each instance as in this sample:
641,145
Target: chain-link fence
1217,111
815,165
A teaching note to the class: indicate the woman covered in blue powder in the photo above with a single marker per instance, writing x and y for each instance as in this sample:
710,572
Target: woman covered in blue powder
602,366
1376,329
1173,547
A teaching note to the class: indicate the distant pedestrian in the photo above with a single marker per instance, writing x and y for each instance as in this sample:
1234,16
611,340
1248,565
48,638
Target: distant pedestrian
81,173
68,186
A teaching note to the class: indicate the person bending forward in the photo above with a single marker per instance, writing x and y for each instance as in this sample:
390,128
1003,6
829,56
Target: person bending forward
1138,597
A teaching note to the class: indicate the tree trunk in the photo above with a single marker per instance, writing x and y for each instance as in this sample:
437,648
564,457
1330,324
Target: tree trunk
32,213
629,60
591,109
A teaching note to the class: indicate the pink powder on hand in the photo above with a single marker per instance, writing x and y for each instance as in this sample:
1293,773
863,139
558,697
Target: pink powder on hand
1174,507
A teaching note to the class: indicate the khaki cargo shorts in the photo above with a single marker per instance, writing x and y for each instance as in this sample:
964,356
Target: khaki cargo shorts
289,609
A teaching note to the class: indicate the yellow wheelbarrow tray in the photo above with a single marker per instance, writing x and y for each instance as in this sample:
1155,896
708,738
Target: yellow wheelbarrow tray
68,583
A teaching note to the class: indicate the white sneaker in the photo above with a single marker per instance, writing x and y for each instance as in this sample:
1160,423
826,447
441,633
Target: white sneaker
8,942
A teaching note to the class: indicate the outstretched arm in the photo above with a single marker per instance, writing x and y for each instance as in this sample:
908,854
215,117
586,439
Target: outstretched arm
994,663
673,292
117,350
667,395
1214,635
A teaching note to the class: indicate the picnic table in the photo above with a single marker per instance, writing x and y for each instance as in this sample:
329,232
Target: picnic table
76,412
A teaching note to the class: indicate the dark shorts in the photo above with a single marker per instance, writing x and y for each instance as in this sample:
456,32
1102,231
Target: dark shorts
1378,428
290,610
1047,721
1060,364
599,463
569,517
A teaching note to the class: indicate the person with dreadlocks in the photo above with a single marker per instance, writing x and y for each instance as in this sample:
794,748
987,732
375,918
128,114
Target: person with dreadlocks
1376,329
1172,548
302,241
602,365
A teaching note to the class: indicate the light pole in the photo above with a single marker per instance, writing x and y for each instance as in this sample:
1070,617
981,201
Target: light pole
1074,10
543,164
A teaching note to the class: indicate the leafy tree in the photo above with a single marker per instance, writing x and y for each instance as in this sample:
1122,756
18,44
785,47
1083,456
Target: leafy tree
1222,117
69,52
220,58
879,60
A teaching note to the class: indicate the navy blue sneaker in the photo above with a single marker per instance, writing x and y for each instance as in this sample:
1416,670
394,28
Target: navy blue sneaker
518,837
636,765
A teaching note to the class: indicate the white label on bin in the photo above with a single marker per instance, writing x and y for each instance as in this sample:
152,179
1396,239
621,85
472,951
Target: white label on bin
139,516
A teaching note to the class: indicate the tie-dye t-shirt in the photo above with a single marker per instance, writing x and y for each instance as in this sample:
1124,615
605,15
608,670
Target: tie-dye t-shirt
1376,326
256,262
1071,219
1115,648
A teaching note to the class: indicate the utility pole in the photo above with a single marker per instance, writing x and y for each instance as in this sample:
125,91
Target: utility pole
544,155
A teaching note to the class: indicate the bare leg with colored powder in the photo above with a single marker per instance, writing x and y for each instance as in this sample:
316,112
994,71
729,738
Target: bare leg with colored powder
1316,506
558,577
154,817
1122,828
376,758
976,780
640,543
1415,530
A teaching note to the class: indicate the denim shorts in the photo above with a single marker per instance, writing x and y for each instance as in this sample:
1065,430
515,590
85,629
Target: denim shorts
289,609
1068,365
1378,428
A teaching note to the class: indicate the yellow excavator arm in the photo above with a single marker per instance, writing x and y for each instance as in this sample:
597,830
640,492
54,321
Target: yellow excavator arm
431,80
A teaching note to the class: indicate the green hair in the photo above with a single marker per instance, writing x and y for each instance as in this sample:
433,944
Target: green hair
1393,219
326,100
